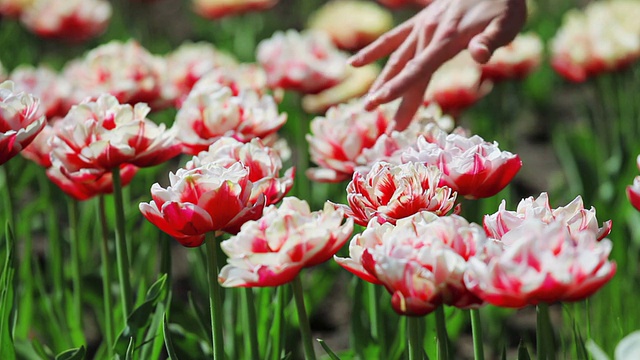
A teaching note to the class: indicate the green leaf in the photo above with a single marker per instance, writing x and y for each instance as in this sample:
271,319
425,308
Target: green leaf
7,350
504,353
167,339
141,317
328,350
523,353
129,353
72,354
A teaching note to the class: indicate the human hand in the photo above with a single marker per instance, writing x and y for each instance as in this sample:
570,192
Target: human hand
436,34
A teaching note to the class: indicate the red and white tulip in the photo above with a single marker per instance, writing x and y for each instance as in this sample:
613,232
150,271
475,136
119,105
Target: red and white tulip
20,120
209,198
274,249
421,260
263,162
388,193
211,113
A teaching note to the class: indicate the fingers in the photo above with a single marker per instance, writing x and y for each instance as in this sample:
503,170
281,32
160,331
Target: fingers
383,46
442,47
411,101
394,65
500,31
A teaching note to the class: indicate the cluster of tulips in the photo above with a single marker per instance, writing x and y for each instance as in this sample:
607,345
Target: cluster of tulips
89,127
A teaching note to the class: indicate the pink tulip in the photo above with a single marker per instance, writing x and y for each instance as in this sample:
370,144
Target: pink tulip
97,136
339,138
542,263
633,191
186,65
392,192
604,37
272,250
210,113
88,189
20,121
215,9
264,166
52,90
72,20
350,32
574,216
421,260
125,70
516,60
305,62
204,199
471,166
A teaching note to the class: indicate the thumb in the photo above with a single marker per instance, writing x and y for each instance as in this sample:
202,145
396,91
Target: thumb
500,31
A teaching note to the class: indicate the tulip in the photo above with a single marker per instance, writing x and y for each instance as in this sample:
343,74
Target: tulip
210,198
20,121
86,190
124,70
604,37
542,263
421,260
98,136
349,32
239,78
186,65
213,112
215,9
471,166
633,193
13,8
39,151
573,215
457,84
272,250
515,60
52,90
392,192
339,137
264,165
72,20
305,62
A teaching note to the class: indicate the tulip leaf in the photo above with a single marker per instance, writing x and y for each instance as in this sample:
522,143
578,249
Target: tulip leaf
186,345
168,343
328,350
199,315
72,354
141,317
523,353
129,354
7,349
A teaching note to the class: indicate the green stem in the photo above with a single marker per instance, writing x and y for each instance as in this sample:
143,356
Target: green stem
441,334
276,329
8,197
106,278
544,333
215,303
374,317
250,324
588,313
476,329
122,258
53,233
415,343
305,328
76,278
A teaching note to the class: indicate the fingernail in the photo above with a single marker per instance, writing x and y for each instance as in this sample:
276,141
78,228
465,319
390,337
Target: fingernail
352,59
